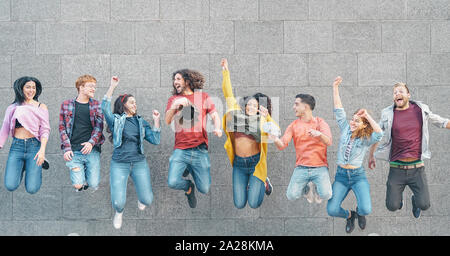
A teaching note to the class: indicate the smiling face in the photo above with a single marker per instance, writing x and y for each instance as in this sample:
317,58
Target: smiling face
88,89
401,97
179,83
252,107
130,106
29,90
356,123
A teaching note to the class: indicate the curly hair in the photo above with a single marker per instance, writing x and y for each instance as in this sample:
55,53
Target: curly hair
365,132
192,78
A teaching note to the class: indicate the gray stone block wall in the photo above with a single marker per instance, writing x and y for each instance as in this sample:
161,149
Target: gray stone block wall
278,47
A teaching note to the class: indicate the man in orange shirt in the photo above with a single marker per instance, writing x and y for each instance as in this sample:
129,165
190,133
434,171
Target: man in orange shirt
311,136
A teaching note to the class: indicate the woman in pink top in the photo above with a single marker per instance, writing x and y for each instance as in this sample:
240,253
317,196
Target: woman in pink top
26,120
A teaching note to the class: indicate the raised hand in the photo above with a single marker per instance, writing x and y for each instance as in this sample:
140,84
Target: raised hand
224,63
263,111
362,113
337,81
114,81
156,116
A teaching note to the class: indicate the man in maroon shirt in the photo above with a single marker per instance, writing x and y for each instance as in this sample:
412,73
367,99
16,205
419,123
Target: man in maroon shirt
405,145
188,108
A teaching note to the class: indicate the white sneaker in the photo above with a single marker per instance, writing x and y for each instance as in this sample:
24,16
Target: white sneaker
117,221
310,196
141,206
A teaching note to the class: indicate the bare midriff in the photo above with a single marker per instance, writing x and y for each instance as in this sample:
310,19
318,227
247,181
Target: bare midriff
22,133
348,166
245,147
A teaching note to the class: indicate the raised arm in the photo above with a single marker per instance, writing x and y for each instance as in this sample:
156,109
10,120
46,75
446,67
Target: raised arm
363,113
106,102
226,87
336,96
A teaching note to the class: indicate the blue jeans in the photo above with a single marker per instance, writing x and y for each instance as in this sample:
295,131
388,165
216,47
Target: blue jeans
20,160
140,173
302,175
245,185
88,168
346,180
196,161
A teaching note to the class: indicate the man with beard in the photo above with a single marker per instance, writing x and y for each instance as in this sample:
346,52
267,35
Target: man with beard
405,146
189,107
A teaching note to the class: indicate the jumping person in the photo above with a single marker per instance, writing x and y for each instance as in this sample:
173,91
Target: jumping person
405,146
128,131
81,133
356,138
246,143
311,136
27,121
188,107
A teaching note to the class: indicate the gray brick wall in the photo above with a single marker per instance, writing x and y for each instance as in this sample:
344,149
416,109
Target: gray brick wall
279,47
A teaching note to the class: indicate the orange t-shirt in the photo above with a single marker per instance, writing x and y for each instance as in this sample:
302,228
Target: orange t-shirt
309,151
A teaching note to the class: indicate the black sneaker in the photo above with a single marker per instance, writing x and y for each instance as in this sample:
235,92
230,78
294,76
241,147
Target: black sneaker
185,173
415,210
191,197
85,187
361,221
269,187
350,222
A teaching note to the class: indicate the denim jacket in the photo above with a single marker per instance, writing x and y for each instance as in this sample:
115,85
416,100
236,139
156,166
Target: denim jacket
360,146
383,151
116,123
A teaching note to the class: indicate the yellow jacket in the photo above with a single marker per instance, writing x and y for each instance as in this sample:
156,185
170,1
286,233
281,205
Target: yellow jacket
232,105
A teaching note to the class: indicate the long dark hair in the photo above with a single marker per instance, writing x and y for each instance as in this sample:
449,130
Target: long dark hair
261,98
119,108
192,78
18,88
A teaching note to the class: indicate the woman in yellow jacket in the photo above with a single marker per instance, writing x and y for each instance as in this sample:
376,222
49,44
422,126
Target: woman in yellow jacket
246,143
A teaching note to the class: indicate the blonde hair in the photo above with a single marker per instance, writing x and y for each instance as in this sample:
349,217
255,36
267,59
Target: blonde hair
365,132
83,80
401,84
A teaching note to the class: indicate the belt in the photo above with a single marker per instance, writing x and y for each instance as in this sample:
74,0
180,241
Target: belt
406,167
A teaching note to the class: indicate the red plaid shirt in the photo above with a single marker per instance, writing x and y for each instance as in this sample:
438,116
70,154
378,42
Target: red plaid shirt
66,117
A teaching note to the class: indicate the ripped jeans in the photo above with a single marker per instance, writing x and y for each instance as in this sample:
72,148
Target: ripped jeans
85,168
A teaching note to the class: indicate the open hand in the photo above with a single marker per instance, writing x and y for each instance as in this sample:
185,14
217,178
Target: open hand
87,148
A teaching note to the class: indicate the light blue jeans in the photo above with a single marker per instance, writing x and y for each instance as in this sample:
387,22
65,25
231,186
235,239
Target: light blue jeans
304,174
346,180
196,161
140,173
89,168
20,160
245,185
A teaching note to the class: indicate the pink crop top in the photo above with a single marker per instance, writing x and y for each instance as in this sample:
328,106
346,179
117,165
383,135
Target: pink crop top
34,119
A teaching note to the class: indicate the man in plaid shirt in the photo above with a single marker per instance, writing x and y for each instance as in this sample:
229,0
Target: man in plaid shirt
80,128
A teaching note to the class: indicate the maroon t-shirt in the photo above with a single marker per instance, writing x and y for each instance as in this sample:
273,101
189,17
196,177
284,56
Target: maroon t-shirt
407,133
187,135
